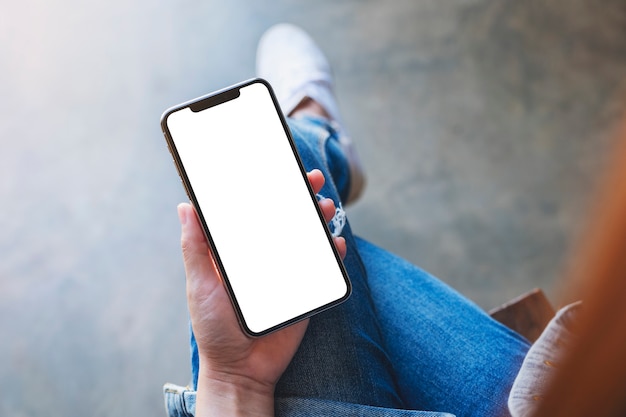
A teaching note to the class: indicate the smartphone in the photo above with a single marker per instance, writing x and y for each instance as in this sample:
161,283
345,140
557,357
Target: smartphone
241,170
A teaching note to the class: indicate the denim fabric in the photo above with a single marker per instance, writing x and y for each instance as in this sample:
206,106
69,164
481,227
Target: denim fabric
308,407
447,354
403,341
179,401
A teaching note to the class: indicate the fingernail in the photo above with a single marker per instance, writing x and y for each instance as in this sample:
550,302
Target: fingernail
182,214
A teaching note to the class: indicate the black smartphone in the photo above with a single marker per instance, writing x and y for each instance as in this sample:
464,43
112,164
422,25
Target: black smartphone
241,170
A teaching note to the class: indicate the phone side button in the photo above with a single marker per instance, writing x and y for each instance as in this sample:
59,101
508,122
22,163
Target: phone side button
186,190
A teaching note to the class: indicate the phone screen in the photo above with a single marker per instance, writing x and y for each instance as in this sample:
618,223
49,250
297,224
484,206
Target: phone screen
241,171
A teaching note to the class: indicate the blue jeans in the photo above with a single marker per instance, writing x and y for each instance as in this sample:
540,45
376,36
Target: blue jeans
403,341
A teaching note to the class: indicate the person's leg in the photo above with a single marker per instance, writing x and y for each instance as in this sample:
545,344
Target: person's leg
446,352
402,330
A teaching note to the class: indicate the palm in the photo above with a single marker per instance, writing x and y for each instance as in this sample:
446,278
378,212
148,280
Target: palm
223,344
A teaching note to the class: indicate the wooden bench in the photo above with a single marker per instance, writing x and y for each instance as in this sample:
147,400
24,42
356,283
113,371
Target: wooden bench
527,314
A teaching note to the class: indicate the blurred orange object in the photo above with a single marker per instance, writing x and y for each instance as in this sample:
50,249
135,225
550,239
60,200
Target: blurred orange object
592,378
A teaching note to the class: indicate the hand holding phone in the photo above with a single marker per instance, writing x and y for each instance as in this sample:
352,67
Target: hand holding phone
226,354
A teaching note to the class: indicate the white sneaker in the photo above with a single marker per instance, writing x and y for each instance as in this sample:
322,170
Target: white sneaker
290,60
296,68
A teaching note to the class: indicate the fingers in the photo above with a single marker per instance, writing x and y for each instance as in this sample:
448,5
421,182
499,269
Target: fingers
328,208
340,244
317,180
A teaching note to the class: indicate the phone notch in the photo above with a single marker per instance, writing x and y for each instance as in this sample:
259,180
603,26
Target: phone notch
209,102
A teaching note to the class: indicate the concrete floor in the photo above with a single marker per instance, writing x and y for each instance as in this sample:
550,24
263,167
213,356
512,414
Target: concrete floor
482,124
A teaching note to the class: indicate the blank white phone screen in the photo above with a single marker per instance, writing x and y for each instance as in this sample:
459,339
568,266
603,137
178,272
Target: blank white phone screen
269,237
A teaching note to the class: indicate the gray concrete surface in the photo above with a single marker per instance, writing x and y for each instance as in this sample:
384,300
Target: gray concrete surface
482,124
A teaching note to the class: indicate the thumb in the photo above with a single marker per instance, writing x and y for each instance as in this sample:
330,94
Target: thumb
199,265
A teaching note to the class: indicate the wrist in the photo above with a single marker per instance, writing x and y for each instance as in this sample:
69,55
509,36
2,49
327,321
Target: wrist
220,394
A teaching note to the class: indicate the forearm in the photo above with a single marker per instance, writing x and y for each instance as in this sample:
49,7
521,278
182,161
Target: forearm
223,395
